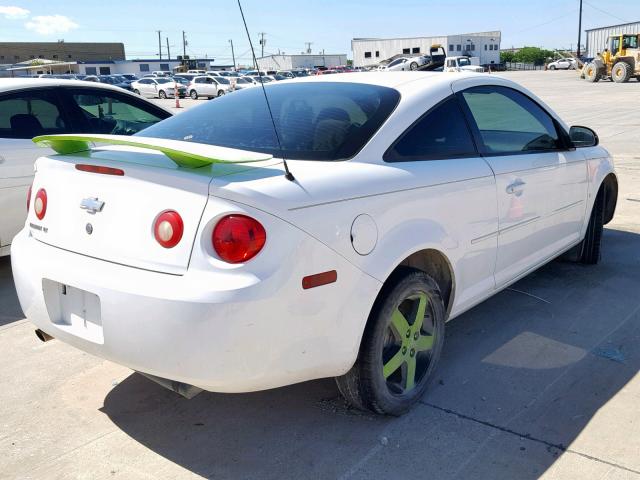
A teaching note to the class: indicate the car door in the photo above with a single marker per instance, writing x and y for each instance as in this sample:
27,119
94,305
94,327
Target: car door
102,111
440,146
541,179
23,115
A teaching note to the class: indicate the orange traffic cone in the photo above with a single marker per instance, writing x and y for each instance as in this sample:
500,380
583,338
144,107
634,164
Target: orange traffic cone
175,94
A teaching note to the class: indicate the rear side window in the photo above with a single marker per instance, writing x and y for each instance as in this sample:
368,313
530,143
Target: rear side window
110,113
29,114
509,122
315,121
441,133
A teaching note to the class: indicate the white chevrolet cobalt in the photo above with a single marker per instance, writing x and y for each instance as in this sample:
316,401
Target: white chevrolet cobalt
186,253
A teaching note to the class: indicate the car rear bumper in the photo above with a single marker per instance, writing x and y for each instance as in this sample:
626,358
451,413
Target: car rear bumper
199,328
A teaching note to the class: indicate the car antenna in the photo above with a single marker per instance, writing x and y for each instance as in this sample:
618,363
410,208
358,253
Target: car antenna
288,175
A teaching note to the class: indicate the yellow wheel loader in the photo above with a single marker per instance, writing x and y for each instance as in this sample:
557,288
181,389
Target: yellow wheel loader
620,61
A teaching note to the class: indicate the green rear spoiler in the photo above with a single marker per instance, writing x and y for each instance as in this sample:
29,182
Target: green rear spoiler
184,154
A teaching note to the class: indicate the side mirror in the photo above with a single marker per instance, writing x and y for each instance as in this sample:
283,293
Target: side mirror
583,137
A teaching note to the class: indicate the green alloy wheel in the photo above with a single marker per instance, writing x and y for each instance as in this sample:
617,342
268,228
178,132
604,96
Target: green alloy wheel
400,347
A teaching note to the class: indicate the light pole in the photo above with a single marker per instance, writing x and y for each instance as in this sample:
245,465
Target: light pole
233,55
579,29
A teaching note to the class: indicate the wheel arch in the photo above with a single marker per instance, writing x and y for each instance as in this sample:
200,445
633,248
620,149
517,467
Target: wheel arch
609,188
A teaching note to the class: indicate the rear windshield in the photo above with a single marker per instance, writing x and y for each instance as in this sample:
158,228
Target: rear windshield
315,121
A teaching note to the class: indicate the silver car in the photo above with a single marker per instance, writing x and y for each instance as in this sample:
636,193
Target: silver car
208,87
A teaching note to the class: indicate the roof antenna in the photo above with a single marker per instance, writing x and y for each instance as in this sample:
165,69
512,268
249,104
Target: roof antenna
288,175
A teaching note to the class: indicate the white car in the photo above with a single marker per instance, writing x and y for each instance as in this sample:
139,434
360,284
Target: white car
462,64
30,107
240,83
208,87
158,87
563,64
406,63
411,197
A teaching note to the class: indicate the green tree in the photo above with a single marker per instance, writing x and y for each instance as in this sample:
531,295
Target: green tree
507,56
535,55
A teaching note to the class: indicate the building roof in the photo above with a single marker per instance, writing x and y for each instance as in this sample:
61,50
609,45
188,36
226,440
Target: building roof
494,33
611,26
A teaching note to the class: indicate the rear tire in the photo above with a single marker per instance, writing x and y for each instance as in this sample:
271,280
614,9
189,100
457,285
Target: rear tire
193,94
397,355
621,72
591,73
590,246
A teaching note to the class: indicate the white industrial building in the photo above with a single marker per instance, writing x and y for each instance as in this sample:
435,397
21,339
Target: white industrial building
305,60
372,51
597,37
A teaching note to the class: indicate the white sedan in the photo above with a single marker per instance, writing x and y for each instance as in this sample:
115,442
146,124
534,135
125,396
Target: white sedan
208,87
192,255
158,87
406,63
30,107
563,64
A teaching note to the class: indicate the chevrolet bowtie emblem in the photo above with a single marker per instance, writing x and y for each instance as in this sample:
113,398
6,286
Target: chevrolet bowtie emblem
92,205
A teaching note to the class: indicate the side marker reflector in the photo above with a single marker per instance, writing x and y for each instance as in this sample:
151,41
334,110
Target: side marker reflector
319,279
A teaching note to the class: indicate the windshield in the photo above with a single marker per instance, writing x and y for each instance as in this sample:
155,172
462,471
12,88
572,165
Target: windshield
164,80
463,62
224,81
316,121
242,80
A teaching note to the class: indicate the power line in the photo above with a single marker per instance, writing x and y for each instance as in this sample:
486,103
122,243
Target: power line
607,13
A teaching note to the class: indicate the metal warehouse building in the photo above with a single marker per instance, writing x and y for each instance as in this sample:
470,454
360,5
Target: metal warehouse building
291,62
597,37
371,51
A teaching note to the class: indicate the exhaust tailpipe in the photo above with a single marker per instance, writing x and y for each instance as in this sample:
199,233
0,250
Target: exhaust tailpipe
183,389
44,336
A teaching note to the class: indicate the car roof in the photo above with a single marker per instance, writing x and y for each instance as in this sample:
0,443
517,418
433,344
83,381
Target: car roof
11,84
386,79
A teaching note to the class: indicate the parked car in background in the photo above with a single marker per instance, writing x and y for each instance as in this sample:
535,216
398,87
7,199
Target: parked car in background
415,197
29,108
91,78
158,87
241,83
208,87
161,73
113,80
197,72
563,64
462,64
257,79
130,76
406,63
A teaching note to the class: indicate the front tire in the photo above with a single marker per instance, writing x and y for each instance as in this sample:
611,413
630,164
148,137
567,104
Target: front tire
590,246
220,93
552,67
413,66
400,347
193,95
137,92
162,95
591,73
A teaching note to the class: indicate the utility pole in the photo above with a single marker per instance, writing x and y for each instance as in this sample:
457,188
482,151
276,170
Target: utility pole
233,55
168,51
308,44
579,28
159,45
184,45
262,43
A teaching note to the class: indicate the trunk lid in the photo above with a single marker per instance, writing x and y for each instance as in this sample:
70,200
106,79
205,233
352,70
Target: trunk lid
122,232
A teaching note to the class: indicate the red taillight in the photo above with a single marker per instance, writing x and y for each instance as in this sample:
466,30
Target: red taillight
100,169
29,197
238,238
168,229
40,203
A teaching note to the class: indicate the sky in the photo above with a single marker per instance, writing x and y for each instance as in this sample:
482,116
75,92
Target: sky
288,24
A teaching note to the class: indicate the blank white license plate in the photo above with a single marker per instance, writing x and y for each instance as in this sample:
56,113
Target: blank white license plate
73,310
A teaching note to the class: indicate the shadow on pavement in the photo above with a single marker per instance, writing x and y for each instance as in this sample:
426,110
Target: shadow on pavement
522,375
10,311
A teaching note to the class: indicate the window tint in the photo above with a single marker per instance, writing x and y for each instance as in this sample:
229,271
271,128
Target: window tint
30,114
315,121
441,133
110,113
510,122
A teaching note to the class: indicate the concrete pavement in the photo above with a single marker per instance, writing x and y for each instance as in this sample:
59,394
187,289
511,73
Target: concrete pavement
541,381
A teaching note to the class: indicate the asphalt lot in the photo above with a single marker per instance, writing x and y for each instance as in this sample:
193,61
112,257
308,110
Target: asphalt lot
542,380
